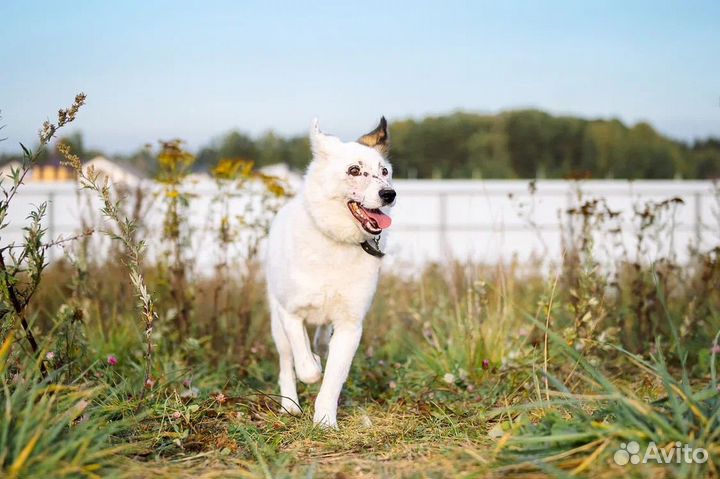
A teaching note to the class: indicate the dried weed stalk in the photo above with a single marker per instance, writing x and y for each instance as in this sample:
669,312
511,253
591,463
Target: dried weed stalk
21,272
88,179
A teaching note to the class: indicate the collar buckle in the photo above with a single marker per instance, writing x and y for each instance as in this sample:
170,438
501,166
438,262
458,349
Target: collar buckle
372,247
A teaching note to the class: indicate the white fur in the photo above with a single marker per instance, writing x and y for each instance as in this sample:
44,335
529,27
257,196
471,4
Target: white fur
318,274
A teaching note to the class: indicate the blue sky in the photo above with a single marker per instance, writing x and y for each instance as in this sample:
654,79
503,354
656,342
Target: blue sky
195,70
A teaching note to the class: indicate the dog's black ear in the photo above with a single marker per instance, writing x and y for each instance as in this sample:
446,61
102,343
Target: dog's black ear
378,138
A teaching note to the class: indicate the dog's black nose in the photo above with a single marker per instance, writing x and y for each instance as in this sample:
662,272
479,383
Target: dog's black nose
388,196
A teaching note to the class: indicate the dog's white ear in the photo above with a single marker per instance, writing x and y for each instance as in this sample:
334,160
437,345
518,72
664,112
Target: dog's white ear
320,143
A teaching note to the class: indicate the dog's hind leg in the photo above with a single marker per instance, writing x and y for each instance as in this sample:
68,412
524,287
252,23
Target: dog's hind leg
321,341
288,389
307,365
343,344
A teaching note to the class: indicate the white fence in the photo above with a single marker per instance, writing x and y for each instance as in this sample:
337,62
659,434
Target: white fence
494,220
486,221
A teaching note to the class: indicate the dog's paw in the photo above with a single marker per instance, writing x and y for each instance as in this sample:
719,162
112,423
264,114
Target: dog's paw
325,419
309,372
288,406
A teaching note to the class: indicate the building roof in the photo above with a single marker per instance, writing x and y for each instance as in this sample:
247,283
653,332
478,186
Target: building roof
114,172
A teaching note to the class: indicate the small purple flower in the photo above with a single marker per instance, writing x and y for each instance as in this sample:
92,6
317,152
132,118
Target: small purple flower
187,383
176,415
112,360
486,364
50,355
715,349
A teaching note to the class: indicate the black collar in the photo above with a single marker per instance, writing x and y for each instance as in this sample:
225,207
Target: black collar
372,247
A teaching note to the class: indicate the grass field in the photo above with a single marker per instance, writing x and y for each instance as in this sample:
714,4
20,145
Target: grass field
116,367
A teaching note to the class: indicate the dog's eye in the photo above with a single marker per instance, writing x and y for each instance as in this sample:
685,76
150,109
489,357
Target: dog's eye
354,170
384,171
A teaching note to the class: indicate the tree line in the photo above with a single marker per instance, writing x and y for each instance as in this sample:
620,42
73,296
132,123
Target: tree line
535,144
512,144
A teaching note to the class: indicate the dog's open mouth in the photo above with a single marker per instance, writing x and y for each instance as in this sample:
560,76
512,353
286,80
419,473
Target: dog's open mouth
372,221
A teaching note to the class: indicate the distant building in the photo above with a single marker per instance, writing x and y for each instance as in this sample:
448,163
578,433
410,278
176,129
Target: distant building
115,173
39,173
51,174
54,173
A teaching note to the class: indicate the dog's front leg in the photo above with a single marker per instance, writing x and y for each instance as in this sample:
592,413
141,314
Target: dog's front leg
307,365
288,390
343,344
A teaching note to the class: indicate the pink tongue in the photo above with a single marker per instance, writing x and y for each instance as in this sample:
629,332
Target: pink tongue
383,221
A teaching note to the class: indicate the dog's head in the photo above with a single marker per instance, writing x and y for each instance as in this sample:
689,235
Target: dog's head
355,175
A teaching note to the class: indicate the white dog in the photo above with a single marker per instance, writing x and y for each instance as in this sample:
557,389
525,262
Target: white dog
323,261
